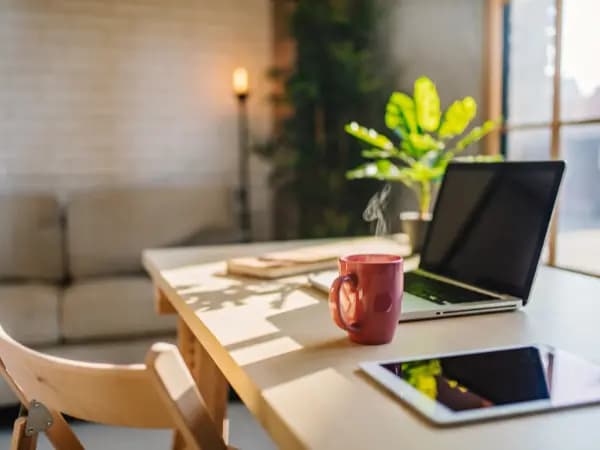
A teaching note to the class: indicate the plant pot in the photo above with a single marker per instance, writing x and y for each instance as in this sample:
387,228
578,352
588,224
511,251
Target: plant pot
415,226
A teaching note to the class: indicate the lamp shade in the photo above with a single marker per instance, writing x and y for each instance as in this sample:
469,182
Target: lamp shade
240,81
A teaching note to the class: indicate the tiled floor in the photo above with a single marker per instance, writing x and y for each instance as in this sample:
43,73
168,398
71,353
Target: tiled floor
245,433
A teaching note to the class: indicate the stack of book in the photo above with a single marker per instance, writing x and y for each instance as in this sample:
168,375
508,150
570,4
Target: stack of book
315,258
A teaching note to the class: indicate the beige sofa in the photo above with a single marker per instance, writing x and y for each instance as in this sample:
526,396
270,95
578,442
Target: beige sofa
71,281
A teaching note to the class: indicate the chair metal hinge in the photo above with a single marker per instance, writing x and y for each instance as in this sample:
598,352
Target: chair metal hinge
38,416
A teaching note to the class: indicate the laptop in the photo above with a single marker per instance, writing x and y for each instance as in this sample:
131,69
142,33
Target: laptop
483,244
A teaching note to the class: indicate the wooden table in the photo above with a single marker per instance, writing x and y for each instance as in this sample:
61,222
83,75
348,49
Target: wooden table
274,342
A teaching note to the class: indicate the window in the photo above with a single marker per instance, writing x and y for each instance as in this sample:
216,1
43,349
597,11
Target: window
549,95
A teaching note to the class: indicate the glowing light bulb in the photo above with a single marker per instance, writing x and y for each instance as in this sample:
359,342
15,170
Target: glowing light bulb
240,81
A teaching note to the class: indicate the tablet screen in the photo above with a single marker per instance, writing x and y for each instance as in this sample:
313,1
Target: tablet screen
501,377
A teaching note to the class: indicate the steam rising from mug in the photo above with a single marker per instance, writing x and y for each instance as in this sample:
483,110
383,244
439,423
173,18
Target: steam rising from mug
375,210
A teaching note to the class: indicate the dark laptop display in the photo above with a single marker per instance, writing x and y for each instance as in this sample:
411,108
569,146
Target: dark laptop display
490,222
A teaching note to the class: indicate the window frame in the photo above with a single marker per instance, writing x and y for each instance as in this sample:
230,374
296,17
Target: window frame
496,69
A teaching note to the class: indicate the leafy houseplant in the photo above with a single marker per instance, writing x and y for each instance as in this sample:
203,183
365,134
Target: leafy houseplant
334,78
426,141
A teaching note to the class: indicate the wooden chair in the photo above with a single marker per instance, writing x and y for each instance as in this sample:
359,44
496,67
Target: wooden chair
158,394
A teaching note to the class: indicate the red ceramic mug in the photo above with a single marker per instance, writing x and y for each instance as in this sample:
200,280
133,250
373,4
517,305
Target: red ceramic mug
365,299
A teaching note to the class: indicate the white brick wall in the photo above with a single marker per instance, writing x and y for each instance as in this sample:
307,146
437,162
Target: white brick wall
128,92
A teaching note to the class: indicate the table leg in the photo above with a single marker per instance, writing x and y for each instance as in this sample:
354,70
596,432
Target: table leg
161,303
209,379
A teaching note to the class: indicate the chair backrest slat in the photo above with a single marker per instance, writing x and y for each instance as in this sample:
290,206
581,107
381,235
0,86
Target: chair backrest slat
103,393
159,394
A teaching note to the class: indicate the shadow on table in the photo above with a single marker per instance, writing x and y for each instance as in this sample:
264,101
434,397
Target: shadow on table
310,337
301,338
321,342
235,291
318,341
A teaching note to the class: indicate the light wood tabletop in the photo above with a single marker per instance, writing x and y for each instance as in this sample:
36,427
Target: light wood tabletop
275,343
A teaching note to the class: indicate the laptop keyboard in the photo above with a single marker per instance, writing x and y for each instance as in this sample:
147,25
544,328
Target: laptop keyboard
440,292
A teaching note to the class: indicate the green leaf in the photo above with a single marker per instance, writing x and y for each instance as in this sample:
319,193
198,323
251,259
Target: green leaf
427,103
392,153
385,170
376,153
370,136
476,134
400,113
424,173
457,117
449,156
424,143
379,170
480,158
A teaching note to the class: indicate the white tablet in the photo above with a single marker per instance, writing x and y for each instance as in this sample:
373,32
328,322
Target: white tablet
485,384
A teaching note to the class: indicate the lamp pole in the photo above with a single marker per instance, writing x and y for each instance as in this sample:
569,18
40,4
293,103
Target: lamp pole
240,87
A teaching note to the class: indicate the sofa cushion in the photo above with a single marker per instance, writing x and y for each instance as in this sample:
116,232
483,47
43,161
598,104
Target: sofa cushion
29,313
107,230
110,308
30,237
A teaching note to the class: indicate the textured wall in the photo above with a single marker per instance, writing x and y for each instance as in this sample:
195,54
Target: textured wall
442,39
128,92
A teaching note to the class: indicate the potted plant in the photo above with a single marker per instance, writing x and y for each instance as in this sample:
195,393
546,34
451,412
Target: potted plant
425,141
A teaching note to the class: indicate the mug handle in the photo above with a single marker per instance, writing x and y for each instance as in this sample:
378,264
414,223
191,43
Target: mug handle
334,301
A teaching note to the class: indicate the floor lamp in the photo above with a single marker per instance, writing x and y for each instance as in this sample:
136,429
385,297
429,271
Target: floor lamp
240,88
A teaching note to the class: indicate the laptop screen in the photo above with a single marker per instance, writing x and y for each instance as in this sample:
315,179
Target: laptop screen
489,223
